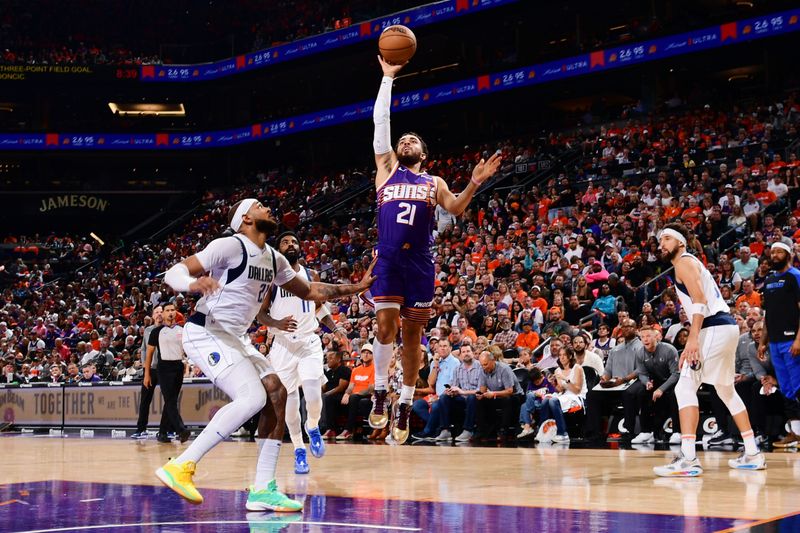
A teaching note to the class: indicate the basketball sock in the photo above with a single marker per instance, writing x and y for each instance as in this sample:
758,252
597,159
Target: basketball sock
407,394
750,446
795,425
267,462
688,443
293,418
260,444
382,356
313,395
241,383
297,441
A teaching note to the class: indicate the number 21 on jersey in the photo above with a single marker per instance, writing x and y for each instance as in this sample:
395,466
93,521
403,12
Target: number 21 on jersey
262,292
407,213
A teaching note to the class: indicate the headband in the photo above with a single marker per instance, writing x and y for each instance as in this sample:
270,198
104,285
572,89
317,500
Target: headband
244,207
782,246
674,234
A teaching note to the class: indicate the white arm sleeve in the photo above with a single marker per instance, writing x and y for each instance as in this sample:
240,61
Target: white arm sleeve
382,141
284,273
178,278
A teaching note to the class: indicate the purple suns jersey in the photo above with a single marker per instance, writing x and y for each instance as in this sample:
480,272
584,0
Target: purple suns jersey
406,208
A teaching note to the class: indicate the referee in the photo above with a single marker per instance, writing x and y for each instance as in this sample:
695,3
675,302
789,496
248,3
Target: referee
782,331
166,340
146,395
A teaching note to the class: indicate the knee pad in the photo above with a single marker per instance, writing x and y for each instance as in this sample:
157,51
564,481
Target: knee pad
293,411
312,390
292,402
686,392
251,394
731,399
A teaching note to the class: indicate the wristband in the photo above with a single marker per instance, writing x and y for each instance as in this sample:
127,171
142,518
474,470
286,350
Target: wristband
696,309
322,312
474,182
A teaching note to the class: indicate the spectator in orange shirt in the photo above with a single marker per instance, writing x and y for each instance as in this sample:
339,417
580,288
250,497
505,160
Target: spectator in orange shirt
466,330
757,246
765,196
673,210
519,293
528,338
749,295
777,163
538,301
358,396
128,308
85,325
692,213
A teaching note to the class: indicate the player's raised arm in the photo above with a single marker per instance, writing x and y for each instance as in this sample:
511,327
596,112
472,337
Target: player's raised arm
457,204
385,158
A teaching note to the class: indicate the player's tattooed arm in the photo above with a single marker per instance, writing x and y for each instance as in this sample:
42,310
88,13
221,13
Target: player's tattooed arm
321,292
326,319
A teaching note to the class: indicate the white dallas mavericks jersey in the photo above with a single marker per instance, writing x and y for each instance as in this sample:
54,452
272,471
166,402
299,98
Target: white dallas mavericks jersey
283,303
244,272
714,301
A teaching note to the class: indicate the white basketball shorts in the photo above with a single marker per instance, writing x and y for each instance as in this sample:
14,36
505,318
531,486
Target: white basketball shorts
298,360
718,355
215,353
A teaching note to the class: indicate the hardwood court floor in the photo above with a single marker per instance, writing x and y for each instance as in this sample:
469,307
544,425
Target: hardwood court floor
593,482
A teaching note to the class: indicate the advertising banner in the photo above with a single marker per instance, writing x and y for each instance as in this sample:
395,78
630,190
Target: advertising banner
591,63
102,405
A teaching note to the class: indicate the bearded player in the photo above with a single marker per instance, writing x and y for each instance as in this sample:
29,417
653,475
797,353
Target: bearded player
233,274
407,200
296,352
709,357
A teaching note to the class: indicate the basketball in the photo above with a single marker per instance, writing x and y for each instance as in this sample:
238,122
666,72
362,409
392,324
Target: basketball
397,44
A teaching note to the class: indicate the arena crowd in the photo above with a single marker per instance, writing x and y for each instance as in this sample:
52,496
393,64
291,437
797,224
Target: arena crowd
533,281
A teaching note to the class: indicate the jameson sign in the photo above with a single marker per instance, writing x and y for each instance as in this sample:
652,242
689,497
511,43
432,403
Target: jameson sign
80,201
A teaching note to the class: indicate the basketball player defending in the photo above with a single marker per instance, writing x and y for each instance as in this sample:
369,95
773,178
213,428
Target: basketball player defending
407,199
709,357
296,352
241,269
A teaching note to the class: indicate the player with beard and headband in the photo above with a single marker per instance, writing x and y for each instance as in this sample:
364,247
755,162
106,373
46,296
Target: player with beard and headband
296,352
709,357
240,270
407,200
781,332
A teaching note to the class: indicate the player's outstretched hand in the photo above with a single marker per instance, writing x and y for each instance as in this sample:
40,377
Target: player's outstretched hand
368,279
486,169
204,285
389,69
287,323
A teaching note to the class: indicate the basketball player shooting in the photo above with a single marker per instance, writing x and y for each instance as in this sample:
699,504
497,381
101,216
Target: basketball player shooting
407,199
241,268
709,357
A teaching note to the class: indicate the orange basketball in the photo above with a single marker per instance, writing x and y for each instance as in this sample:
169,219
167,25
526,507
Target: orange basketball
397,44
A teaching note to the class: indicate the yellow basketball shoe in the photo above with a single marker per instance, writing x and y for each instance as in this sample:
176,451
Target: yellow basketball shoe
178,477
